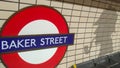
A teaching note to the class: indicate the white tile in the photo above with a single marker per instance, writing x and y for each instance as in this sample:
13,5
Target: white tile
43,2
56,4
74,25
72,47
62,66
76,13
83,19
24,6
66,12
5,14
77,7
91,20
83,13
71,58
8,6
73,30
58,9
67,5
92,14
70,64
85,8
28,1
71,53
79,61
93,9
75,19
100,10
79,51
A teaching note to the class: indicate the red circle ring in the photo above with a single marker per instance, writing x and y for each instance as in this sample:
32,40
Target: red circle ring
16,22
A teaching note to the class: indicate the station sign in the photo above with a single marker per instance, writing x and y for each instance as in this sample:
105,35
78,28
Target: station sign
34,37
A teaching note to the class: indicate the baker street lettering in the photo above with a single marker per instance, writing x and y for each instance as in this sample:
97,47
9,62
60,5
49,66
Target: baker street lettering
32,42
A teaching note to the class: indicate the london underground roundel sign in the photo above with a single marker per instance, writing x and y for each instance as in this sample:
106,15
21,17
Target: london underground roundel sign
32,21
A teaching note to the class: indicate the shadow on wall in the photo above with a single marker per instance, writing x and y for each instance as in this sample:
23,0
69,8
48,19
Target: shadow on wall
106,26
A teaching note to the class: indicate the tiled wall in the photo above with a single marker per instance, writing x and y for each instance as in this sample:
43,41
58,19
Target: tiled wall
97,30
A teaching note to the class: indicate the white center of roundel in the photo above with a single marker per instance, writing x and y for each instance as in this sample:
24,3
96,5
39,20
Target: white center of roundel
33,28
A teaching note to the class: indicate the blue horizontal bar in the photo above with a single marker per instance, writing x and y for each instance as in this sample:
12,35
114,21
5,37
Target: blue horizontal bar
21,43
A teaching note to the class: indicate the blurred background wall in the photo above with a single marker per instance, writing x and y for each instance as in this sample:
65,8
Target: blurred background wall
96,24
